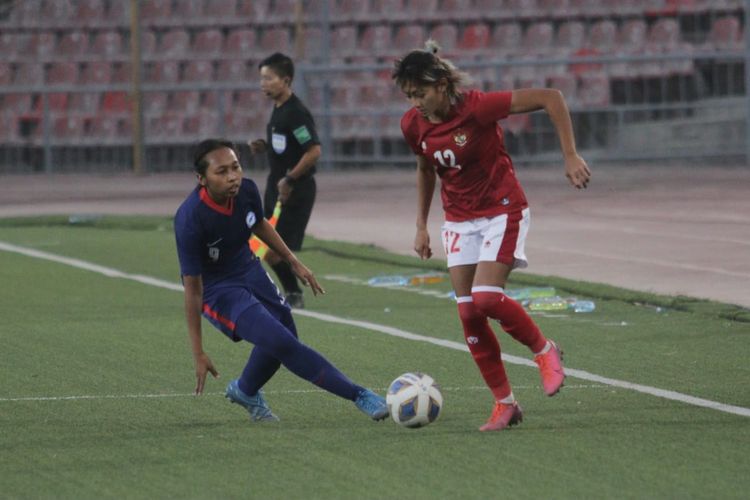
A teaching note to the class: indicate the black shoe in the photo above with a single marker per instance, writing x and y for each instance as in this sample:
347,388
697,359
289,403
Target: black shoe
295,301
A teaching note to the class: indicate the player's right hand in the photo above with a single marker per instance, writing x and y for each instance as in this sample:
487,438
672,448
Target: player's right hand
422,244
257,146
203,365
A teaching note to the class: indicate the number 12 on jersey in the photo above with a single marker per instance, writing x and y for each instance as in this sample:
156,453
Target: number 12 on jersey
446,158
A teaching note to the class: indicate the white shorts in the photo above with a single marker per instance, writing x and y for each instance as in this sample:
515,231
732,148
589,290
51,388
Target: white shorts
498,239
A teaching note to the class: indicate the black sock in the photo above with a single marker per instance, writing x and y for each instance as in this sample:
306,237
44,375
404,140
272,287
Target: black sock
286,277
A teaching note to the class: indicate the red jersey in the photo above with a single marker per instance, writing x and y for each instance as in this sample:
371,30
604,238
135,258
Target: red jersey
468,153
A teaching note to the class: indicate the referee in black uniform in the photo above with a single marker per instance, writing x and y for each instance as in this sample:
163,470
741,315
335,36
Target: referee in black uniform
293,149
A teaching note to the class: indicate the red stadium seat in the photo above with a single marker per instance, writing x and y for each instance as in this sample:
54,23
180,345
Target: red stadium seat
409,37
155,103
233,70
219,9
602,36
198,71
725,34
29,74
249,101
18,104
594,90
506,39
85,103
632,35
351,10
163,72
73,44
155,10
344,40
446,35
475,38
253,10
186,101
275,40
97,73
174,43
664,33
107,44
571,36
199,126
376,40
90,13
62,73
241,42
116,102
209,41
42,45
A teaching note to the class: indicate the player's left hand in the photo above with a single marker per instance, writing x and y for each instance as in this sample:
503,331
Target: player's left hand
306,277
577,171
284,189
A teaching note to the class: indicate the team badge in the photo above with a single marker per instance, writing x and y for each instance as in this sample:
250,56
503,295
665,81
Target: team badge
459,137
250,219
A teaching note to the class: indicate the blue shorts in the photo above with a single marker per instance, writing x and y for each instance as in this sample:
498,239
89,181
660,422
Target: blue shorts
224,302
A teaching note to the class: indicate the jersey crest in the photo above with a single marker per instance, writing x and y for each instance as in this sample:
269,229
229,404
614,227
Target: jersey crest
460,138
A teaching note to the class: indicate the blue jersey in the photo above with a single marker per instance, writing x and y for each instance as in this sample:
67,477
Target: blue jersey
212,241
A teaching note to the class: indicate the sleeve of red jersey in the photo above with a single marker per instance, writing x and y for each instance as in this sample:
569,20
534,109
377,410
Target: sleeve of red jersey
490,107
408,128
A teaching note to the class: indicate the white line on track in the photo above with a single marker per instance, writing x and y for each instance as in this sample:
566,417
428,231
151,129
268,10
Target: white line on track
395,332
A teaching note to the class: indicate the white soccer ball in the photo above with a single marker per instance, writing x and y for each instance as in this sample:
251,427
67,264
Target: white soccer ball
414,400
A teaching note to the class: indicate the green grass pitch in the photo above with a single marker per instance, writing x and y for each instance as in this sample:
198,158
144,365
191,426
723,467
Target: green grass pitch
97,374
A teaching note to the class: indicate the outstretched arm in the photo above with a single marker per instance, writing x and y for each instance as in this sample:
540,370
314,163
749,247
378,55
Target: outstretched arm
553,102
266,232
425,190
193,304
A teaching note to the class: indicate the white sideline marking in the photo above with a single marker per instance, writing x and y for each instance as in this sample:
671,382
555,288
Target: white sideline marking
580,374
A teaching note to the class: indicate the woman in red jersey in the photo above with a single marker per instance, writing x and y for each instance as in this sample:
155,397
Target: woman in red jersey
455,135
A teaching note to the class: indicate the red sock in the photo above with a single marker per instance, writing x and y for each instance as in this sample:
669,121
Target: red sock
484,348
492,302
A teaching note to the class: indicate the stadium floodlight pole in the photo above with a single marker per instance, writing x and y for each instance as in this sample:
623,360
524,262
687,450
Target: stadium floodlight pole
137,96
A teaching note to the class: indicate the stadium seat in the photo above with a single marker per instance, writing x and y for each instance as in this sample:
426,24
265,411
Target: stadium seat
475,38
249,101
6,73
554,8
199,126
409,37
725,34
163,72
73,44
56,12
57,103
376,94
198,71
446,35
185,101
275,40
344,40
121,73
664,34
115,102
282,10
457,9
209,41
8,129
219,10
117,14
233,70
506,39
155,10
29,74
148,43
376,40
42,45
25,14
67,128
10,46
17,104
167,128
421,10
253,10
154,103
386,10
538,38
62,73
187,10
103,128
108,44
589,8
519,8
571,36
90,13
351,10
311,44
174,43
594,90
241,42
85,103
344,96
602,36
632,35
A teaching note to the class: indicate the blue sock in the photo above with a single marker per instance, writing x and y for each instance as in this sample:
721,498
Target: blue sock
258,326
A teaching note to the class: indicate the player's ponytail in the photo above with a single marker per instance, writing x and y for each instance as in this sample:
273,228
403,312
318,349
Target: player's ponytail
424,67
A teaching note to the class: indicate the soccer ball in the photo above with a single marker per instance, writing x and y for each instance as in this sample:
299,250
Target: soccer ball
414,400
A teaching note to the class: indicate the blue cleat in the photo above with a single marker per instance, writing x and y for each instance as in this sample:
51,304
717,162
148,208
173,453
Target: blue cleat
256,405
371,404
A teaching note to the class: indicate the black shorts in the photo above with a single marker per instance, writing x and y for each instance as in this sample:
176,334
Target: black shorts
295,214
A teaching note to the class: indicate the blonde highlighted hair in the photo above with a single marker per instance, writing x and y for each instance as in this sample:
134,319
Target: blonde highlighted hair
423,67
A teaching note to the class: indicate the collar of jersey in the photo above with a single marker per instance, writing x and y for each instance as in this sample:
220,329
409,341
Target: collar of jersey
205,198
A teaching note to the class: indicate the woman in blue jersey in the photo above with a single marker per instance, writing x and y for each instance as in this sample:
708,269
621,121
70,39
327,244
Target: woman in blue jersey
226,283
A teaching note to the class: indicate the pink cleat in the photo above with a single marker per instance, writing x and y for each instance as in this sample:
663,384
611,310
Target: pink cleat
551,370
503,416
